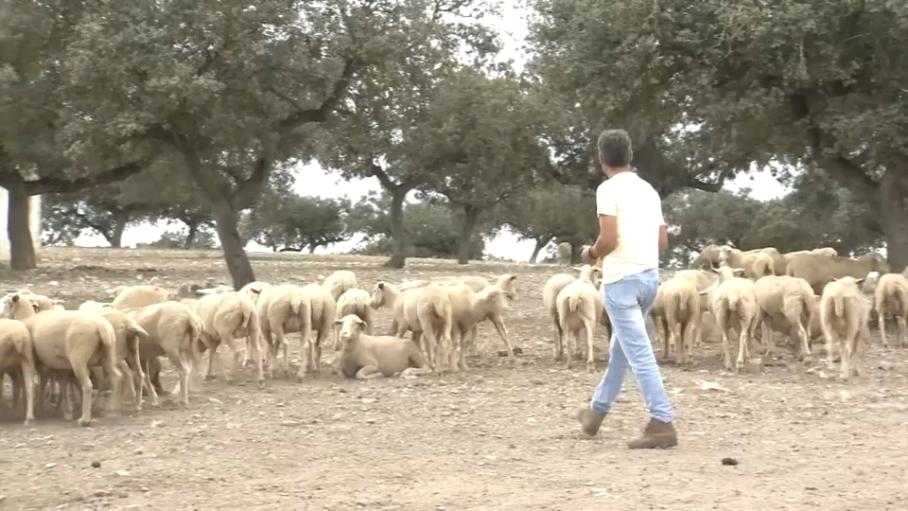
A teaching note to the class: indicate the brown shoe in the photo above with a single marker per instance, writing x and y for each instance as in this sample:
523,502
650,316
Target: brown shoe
657,435
589,421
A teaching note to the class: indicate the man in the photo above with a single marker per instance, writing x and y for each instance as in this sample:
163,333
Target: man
631,235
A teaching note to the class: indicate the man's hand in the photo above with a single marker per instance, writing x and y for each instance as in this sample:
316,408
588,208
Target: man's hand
586,257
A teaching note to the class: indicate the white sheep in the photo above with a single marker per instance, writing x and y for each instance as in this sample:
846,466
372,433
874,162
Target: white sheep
819,270
703,279
469,307
891,299
680,303
843,318
174,331
364,356
69,341
338,282
358,302
787,305
323,311
579,308
133,297
283,309
17,354
226,317
254,289
755,263
429,310
734,305
128,335
550,290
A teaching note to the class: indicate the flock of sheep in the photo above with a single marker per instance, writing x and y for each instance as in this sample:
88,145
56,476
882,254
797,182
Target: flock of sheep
117,346
802,295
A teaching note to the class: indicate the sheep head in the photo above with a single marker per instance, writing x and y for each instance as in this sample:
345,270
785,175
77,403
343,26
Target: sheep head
350,328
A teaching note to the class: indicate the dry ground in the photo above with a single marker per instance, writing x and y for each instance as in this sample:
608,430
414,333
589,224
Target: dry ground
498,437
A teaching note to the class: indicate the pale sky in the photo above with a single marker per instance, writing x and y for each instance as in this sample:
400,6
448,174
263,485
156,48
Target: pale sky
513,26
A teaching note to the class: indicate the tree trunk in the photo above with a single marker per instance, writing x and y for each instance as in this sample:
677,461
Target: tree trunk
312,249
234,252
116,237
470,218
21,244
540,244
191,235
398,235
894,218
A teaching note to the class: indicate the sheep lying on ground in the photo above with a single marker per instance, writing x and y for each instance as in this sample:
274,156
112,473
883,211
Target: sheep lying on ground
283,309
323,311
550,290
228,316
843,318
358,302
17,355
579,308
364,356
734,305
339,282
680,317
819,270
891,299
70,341
174,331
786,305
134,297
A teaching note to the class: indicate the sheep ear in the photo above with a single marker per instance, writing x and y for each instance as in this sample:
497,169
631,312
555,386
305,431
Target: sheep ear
360,321
380,285
737,271
512,278
862,279
14,298
338,322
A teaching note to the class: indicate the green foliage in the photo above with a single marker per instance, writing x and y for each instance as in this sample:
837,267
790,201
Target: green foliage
551,212
291,222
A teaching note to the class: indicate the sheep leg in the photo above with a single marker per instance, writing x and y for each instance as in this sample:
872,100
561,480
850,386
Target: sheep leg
502,332
28,386
474,349
881,319
124,369
368,372
184,368
675,334
155,401
663,333
903,330
768,339
589,328
458,341
82,376
211,347
415,371
847,348
420,342
558,347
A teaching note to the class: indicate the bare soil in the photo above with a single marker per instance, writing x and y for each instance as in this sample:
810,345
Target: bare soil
498,437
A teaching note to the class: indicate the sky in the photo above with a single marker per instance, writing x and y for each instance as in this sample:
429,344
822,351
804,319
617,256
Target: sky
513,27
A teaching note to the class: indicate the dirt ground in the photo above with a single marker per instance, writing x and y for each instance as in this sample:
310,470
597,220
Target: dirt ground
498,437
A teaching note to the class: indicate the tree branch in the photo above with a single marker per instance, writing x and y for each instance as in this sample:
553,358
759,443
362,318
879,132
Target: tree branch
249,190
112,175
320,114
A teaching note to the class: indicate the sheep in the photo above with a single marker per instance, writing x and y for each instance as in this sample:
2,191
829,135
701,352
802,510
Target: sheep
385,294
338,282
364,356
254,289
17,354
283,309
819,270
138,296
429,310
128,335
92,306
843,318
468,308
174,331
323,310
891,299
755,263
734,305
355,301
579,307
680,316
787,305
69,341
550,290
565,253
825,251
227,316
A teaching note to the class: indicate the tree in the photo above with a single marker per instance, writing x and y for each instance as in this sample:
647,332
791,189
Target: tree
810,85
482,138
289,222
551,212
98,211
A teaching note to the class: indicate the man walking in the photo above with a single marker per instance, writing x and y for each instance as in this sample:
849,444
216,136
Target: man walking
631,235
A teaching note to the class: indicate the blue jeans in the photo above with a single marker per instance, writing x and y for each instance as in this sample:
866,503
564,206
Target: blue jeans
627,303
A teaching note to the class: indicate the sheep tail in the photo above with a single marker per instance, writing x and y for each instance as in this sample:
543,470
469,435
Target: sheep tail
574,302
839,306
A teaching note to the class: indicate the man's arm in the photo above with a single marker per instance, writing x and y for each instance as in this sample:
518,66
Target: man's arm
608,237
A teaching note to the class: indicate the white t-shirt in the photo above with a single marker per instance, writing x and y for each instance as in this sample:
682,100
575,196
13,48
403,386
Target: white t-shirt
638,209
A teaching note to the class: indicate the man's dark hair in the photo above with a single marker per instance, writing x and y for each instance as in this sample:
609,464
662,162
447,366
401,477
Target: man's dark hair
615,148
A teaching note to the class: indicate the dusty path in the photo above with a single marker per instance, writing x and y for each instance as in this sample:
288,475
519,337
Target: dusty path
499,437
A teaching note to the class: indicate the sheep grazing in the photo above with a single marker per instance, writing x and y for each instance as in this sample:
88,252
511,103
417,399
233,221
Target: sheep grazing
174,331
323,310
226,317
819,270
283,309
734,305
786,305
338,282
680,317
579,308
134,297
17,354
364,356
69,341
891,299
843,318
357,302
